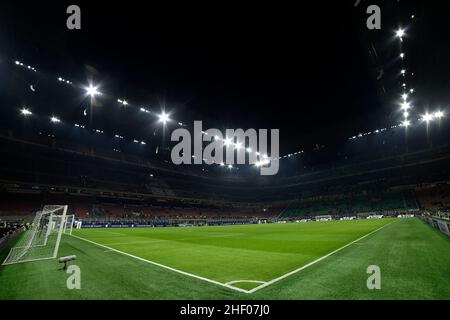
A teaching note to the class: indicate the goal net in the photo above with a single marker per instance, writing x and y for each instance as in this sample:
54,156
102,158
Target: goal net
41,240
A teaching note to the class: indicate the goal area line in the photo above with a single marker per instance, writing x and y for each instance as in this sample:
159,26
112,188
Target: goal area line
229,285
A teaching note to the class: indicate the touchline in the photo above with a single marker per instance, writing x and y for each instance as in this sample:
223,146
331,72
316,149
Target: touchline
251,145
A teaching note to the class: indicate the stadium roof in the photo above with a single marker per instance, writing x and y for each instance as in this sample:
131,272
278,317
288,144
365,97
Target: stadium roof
312,74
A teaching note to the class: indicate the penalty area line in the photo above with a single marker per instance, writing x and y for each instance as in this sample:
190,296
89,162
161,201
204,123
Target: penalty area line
166,267
315,261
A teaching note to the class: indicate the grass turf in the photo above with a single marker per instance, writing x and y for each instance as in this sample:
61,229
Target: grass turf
414,261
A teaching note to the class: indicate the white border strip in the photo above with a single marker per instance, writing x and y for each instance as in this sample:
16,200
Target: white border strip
228,284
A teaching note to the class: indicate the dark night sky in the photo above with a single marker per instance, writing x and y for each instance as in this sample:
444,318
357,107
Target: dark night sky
303,69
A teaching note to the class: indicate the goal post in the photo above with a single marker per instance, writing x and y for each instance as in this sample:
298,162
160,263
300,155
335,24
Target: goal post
68,224
42,239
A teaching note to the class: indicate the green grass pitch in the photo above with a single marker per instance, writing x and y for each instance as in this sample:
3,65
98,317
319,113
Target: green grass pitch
244,262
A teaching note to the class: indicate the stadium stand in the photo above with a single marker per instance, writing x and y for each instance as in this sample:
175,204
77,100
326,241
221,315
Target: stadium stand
102,186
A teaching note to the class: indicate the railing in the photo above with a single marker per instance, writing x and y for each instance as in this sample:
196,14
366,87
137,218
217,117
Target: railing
438,223
9,237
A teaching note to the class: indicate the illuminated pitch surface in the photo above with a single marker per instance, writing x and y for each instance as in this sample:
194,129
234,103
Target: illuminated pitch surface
253,254
413,258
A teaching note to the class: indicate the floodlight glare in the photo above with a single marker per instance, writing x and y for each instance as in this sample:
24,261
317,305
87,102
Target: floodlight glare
227,141
406,106
405,96
427,117
92,91
230,166
25,112
403,72
406,123
164,117
400,33
438,114
249,150
402,55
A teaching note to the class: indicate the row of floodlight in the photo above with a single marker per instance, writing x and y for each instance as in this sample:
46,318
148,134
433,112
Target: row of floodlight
427,117
26,112
17,62
263,158
61,79
93,91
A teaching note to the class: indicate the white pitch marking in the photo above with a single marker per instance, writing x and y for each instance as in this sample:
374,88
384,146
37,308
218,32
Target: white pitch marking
244,281
315,261
166,267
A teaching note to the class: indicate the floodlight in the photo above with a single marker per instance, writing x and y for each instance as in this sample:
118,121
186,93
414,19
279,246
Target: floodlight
403,72
66,259
164,118
249,150
54,119
92,91
406,123
427,117
230,166
402,55
438,114
405,96
238,146
25,112
222,164
411,90
227,141
400,33
406,106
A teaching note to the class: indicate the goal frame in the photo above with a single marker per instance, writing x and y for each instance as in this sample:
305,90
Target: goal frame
29,245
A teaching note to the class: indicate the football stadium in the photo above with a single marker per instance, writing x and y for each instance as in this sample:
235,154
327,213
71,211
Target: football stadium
258,155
